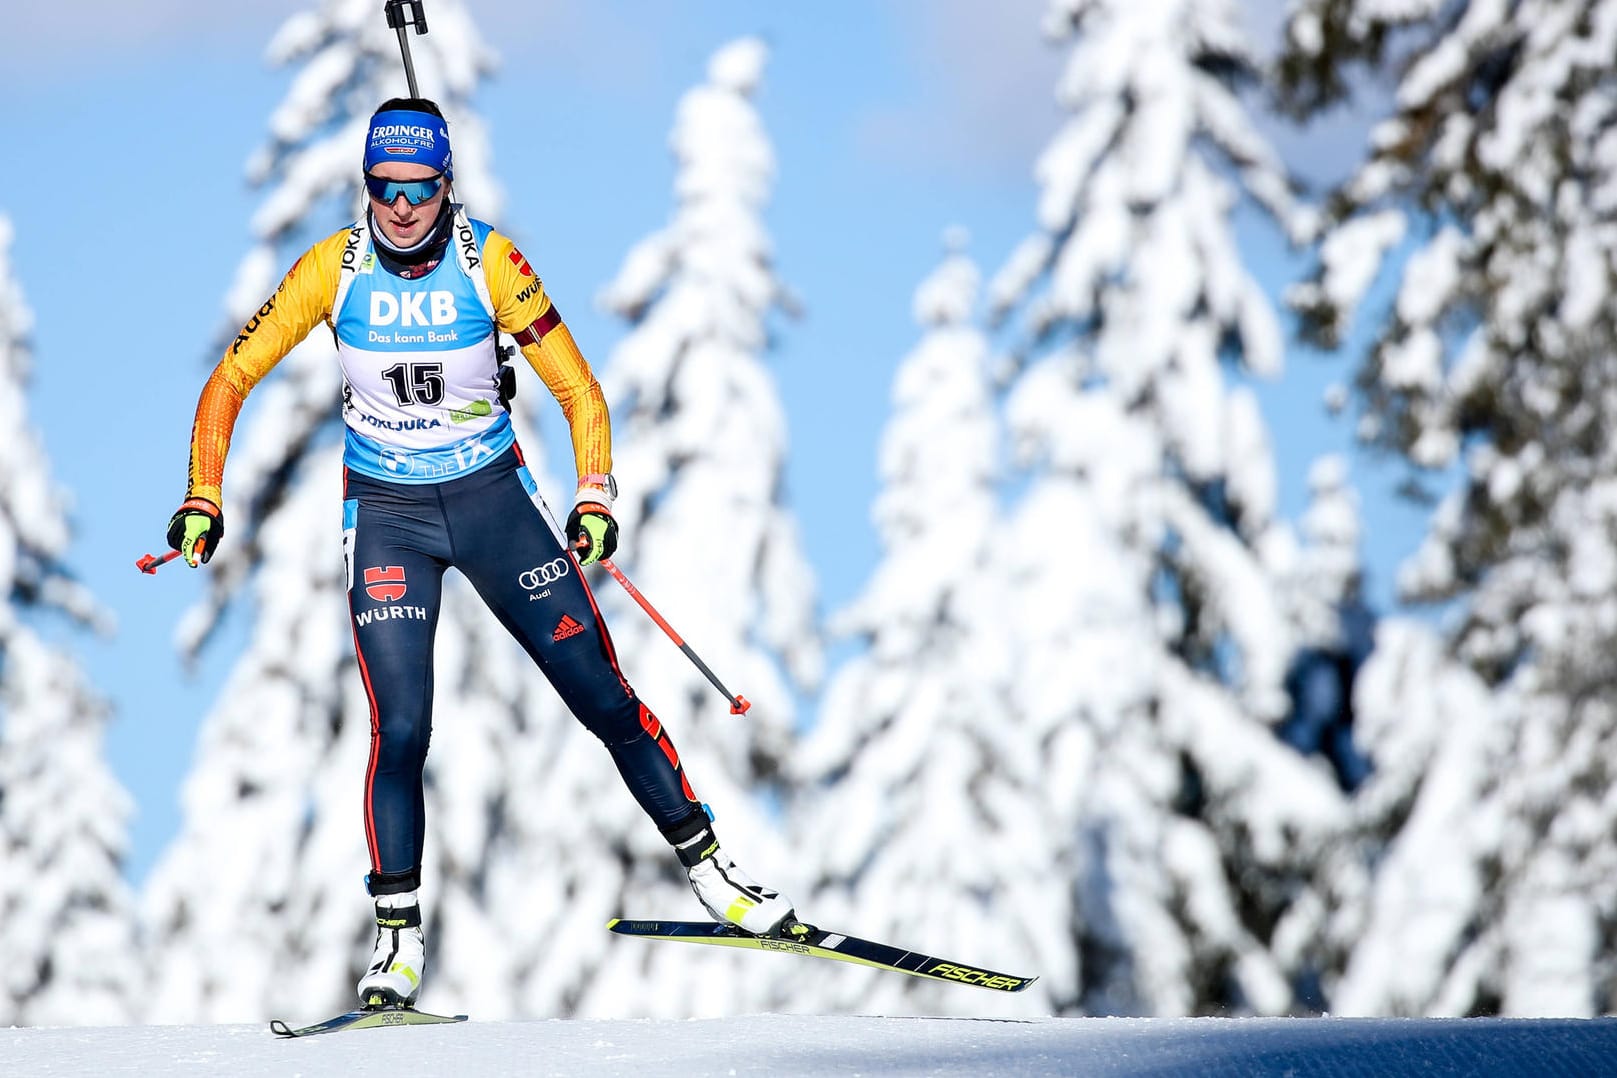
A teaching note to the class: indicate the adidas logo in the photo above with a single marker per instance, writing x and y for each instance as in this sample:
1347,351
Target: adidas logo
566,627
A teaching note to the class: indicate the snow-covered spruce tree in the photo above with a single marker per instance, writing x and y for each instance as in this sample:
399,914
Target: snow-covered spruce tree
67,924
259,904
922,787
1153,645
1495,181
1322,586
700,444
1377,928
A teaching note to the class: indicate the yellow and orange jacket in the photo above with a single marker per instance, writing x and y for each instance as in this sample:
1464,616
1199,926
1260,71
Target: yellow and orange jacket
419,357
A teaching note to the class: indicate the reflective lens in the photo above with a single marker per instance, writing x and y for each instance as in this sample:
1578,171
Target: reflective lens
415,192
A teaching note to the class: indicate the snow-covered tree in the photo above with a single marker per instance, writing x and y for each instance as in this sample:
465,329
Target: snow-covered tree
67,924
1153,645
259,903
700,446
923,787
1321,582
701,432
1489,200
1383,923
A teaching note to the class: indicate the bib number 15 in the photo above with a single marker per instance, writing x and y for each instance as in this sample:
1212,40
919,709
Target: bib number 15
416,383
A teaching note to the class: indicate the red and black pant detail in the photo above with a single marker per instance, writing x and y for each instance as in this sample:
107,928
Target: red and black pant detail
398,541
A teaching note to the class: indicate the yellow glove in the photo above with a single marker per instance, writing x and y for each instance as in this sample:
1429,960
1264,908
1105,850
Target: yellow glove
592,532
195,529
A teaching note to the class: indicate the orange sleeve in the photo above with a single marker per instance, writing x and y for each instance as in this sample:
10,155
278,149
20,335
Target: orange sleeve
523,309
302,300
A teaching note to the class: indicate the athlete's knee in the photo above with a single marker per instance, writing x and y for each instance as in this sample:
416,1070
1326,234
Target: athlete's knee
617,721
401,737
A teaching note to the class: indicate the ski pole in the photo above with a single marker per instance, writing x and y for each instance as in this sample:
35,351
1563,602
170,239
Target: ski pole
150,563
401,15
738,703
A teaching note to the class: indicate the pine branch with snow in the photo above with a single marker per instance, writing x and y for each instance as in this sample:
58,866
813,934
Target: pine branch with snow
921,783
1155,642
1485,203
67,924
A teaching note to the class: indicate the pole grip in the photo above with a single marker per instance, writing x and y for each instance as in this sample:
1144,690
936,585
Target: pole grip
401,15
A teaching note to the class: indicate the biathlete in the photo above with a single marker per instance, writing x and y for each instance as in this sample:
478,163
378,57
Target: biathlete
415,292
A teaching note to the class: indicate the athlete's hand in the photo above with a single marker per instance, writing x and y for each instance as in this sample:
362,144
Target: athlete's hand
592,532
195,530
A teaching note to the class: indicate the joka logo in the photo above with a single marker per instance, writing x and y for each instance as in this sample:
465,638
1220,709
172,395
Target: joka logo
566,627
520,263
385,583
409,308
466,239
548,573
350,251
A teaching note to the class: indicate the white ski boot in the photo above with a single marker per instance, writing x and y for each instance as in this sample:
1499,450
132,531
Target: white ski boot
729,894
393,978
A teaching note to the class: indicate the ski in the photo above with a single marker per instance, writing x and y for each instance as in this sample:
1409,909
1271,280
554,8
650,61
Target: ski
365,1018
818,943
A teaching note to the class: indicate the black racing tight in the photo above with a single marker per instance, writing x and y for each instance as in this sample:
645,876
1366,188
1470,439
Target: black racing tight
398,539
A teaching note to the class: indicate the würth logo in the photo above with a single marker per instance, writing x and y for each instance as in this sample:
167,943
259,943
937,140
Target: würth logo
566,627
385,583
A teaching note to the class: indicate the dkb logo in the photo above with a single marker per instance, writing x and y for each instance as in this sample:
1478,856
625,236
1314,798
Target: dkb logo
435,308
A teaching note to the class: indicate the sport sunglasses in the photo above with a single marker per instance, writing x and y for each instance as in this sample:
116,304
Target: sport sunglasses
415,192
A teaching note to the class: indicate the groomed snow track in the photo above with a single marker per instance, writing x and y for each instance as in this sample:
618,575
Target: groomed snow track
784,1045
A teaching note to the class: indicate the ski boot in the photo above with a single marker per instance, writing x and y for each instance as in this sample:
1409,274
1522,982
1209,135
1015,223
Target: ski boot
730,895
393,979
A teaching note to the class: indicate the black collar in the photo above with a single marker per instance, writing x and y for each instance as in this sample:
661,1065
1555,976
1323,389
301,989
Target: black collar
421,259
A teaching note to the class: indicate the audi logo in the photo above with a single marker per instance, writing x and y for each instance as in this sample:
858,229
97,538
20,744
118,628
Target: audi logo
548,573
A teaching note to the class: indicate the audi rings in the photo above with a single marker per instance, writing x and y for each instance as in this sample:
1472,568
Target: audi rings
548,573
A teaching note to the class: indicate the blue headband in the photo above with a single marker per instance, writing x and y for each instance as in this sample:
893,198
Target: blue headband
418,138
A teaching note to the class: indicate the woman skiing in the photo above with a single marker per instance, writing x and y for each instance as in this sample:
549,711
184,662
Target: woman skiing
415,292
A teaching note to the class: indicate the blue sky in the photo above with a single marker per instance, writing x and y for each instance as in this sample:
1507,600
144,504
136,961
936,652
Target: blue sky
129,133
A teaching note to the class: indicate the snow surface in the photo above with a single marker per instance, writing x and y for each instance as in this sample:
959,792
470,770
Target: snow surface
778,1045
